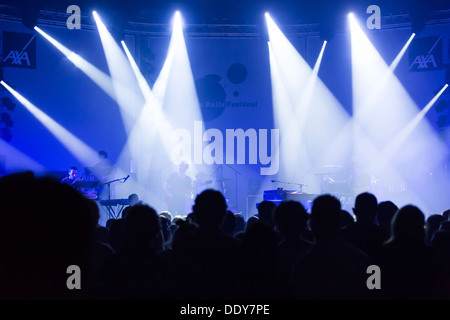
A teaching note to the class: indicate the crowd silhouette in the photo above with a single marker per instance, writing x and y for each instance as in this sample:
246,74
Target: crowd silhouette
281,253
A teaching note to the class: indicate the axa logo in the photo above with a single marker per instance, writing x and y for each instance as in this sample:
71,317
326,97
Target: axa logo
18,58
426,54
19,50
423,61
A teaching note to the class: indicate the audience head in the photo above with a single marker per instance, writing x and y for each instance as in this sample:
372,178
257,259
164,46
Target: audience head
346,219
240,223
365,209
290,218
432,224
408,226
133,199
446,214
209,208
141,226
251,220
445,226
325,216
385,213
228,224
166,214
265,212
73,172
53,229
102,154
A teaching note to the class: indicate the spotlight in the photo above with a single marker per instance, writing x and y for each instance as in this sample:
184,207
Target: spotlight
264,28
177,21
8,103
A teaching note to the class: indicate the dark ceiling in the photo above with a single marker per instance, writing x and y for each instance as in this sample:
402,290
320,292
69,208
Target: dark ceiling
234,11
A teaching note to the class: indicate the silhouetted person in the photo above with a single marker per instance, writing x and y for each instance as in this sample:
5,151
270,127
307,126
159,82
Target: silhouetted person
265,212
290,219
432,224
72,176
167,215
103,169
45,227
260,249
445,226
446,214
228,224
116,234
100,253
165,228
410,269
208,259
364,233
250,221
137,271
385,213
240,223
133,199
177,189
347,219
332,269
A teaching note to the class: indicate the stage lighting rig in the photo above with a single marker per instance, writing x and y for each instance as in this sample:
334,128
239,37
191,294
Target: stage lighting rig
419,15
30,12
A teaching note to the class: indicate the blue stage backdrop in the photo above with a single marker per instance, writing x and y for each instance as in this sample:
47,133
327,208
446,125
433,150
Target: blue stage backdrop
232,78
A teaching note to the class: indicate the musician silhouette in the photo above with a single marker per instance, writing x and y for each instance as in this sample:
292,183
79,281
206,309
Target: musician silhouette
178,189
103,169
72,177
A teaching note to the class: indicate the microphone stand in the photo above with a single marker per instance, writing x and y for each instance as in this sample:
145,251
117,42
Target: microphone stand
111,211
109,184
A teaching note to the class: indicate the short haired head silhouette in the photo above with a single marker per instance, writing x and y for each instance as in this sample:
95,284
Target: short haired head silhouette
290,218
209,208
325,216
408,226
265,211
365,209
141,226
